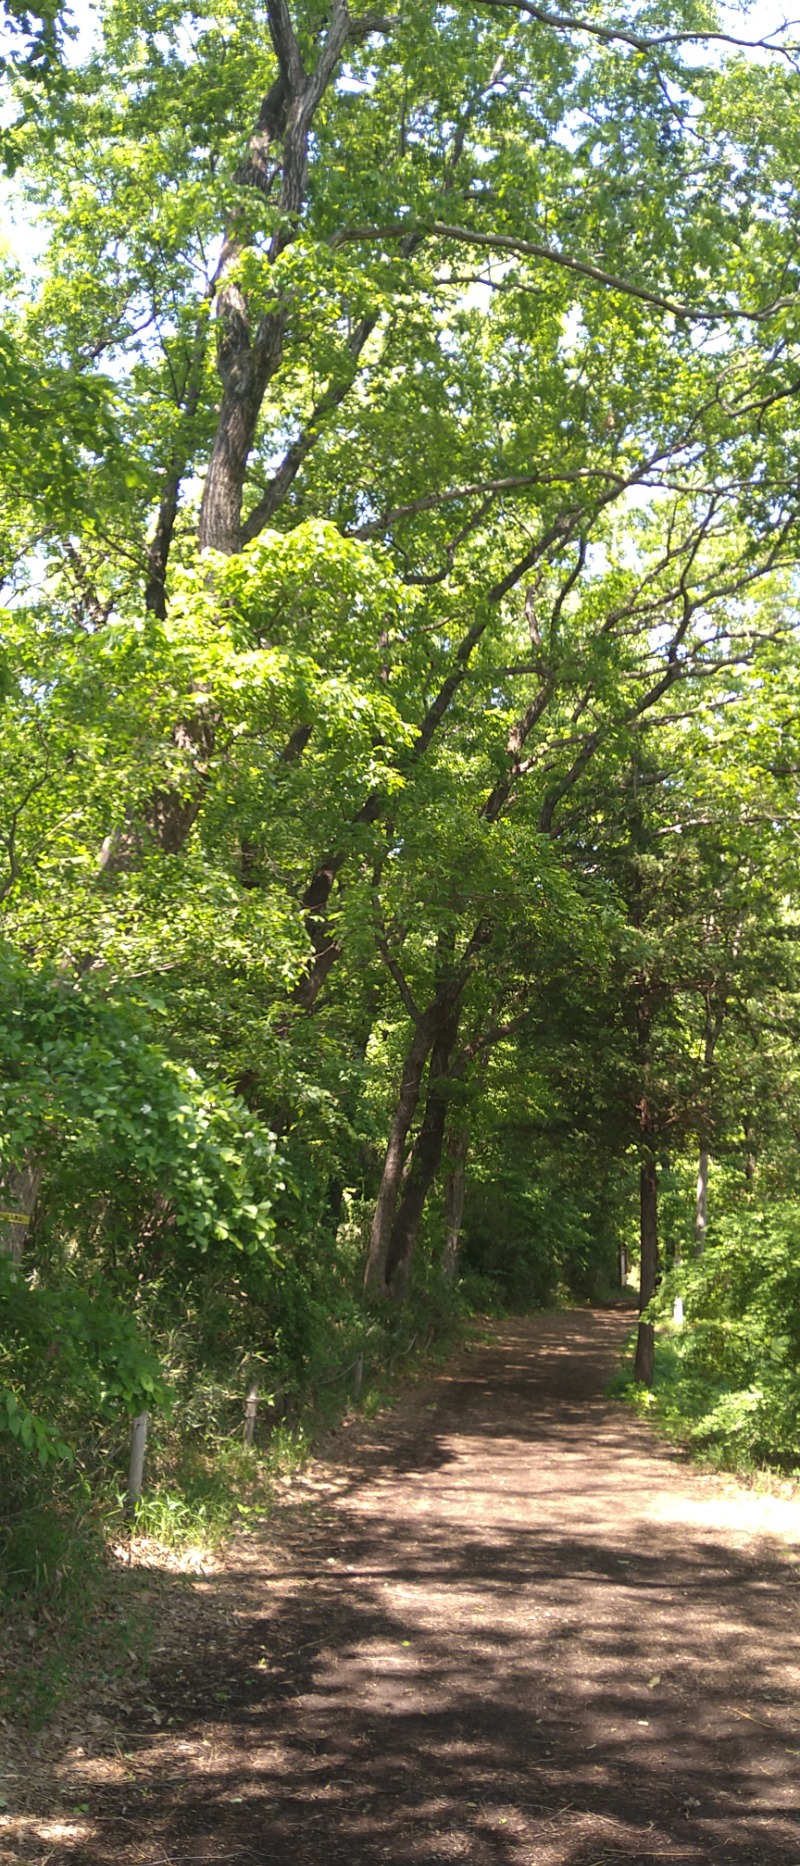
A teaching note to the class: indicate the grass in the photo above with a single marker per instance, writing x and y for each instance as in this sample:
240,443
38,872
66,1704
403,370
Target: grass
199,1494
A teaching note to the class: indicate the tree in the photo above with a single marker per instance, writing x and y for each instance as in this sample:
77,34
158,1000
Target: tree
414,549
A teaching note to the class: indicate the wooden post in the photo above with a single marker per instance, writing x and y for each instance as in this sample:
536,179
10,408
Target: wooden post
136,1467
250,1413
358,1375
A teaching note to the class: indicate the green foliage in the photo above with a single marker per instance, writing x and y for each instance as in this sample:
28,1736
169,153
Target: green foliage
196,1495
85,1089
32,1432
70,1618
52,423
733,1384
73,1349
487,705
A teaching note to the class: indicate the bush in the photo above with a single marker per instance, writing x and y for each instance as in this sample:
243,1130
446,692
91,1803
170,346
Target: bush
731,1382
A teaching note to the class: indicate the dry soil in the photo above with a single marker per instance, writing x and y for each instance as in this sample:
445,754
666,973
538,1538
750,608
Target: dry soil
502,1624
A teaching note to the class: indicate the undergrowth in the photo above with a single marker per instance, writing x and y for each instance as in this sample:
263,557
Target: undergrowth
70,1614
747,1430
76,1559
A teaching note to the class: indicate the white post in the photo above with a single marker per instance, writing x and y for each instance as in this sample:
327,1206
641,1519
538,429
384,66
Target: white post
136,1467
250,1413
358,1375
701,1204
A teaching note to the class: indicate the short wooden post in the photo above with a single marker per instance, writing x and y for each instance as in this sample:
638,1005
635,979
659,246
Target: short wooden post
136,1466
250,1412
358,1375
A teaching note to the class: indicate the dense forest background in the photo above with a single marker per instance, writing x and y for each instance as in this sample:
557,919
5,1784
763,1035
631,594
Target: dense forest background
399,768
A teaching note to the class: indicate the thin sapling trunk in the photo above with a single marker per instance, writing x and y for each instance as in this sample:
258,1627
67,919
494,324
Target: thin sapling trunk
648,1205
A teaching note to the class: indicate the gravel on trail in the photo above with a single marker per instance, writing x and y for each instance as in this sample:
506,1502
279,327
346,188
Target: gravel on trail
502,1623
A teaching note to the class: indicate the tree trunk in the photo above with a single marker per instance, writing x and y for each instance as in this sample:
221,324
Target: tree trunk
712,1027
455,1187
245,380
701,1204
18,1196
168,818
648,1201
155,594
383,1217
677,1301
425,1161
315,903
158,554
136,1466
285,474
249,359
250,1412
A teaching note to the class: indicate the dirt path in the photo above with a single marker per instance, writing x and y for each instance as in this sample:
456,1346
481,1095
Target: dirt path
501,1625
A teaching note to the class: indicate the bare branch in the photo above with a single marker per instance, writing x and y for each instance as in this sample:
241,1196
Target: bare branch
557,532
494,1035
584,268
643,42
471,489
369,23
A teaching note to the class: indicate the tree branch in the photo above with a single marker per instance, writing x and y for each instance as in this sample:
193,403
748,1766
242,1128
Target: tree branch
641,42
393,966
584,268
494,1035
472,489
278,487
287,50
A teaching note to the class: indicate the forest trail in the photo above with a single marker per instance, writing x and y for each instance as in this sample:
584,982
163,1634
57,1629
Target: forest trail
501,1624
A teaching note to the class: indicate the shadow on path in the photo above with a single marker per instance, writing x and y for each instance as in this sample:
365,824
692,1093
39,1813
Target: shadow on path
507,1627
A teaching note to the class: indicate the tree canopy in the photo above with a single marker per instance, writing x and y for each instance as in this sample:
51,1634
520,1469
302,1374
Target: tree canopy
398,784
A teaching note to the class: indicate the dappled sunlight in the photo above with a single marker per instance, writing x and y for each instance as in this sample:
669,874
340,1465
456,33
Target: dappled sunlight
748,1514
520,1633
